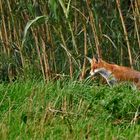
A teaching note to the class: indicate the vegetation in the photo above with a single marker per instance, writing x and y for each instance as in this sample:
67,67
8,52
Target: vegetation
50,38
68,110
44,89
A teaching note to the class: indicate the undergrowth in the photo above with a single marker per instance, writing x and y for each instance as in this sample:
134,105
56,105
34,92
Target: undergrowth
68,110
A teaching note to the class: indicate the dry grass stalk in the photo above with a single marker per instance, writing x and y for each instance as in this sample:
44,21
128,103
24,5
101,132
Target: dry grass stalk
38,52
136,17
137,9
125,33
69,56
85,53
4,30
93,26
46,61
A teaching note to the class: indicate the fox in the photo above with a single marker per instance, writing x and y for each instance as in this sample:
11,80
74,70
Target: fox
114,73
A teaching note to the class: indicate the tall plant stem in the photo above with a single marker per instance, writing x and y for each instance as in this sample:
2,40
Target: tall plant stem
137,9
46,62
73,38
66,13
125,33
69,57
93,26
136,20
4,31
39,53
85,53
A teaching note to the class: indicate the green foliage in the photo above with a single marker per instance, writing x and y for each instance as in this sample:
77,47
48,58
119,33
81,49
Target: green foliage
53,7
73,29
29,24
68,110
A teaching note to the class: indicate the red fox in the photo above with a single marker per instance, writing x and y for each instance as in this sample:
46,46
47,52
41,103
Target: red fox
113,73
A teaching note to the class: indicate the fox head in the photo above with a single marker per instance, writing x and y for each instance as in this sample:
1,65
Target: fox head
96,65
100,66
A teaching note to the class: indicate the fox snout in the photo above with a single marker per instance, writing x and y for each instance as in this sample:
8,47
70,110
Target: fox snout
92,73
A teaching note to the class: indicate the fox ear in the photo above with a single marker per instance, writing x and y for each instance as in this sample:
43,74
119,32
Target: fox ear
89,59
96,58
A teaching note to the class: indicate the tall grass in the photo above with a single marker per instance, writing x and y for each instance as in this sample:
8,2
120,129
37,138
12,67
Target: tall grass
68,110
56,47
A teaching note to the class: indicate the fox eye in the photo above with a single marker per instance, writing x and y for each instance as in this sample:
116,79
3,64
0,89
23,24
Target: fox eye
95,67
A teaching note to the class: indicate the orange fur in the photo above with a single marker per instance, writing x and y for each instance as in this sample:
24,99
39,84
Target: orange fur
121,73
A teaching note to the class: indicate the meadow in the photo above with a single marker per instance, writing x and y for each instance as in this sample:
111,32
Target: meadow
69,109
44,89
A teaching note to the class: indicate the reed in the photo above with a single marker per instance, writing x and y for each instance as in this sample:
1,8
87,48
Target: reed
125,33
53,37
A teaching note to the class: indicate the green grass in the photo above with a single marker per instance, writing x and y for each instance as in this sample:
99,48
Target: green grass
68,110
